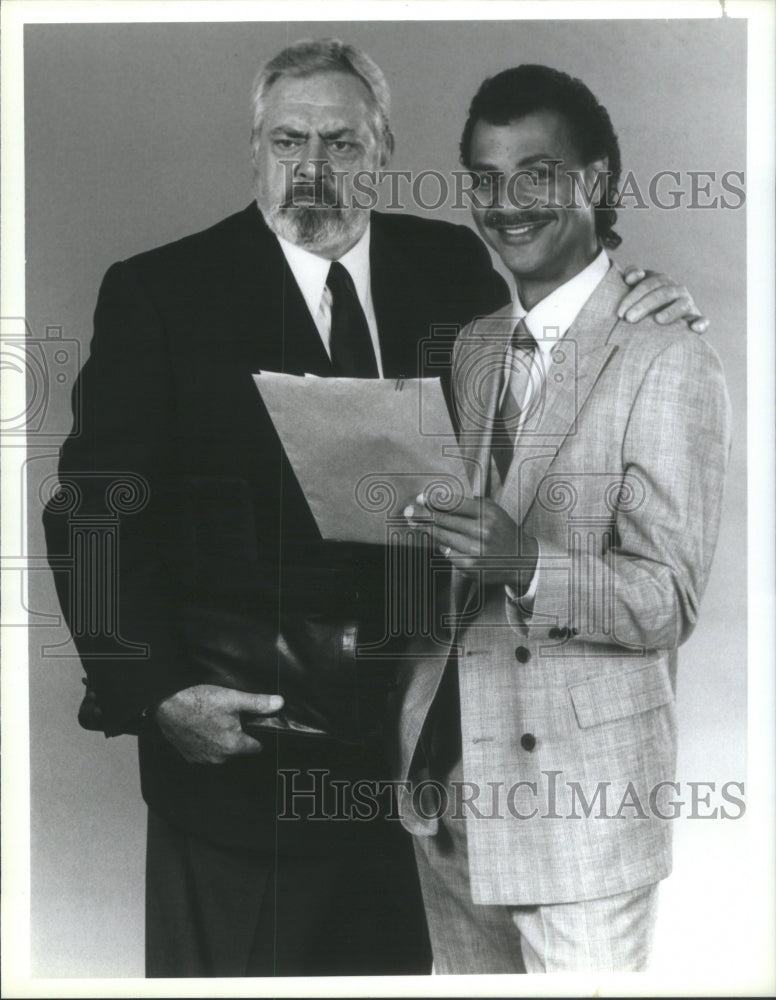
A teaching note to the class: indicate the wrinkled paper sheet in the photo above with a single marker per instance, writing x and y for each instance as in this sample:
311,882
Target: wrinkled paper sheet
362,449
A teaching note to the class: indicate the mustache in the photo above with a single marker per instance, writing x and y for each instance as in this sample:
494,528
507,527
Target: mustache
499,219
311,194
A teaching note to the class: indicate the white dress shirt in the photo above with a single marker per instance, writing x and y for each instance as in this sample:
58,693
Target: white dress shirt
550,319
310,273
548,322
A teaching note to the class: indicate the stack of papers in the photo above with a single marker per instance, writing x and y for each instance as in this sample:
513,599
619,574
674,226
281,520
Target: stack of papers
362,449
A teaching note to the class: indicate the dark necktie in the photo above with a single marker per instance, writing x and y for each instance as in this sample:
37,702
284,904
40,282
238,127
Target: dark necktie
517,377
352,354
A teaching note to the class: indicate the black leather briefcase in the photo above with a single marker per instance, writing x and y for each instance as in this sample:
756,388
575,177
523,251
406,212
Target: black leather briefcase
291,629
311,659
329,691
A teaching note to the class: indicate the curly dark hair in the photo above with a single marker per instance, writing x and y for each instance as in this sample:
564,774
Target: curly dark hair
515,93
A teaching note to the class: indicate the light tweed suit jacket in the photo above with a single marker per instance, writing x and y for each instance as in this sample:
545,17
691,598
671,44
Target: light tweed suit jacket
567,716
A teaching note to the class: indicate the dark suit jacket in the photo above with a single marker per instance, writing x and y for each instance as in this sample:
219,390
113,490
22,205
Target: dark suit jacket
218,526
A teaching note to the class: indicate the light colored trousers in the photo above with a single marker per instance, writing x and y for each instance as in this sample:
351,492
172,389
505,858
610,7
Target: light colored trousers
612,934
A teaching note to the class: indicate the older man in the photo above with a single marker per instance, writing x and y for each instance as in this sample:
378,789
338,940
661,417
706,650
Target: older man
249,619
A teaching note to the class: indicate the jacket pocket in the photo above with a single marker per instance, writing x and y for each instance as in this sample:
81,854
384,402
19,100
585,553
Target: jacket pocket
616,696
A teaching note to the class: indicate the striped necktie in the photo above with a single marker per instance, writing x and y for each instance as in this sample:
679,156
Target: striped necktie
518,364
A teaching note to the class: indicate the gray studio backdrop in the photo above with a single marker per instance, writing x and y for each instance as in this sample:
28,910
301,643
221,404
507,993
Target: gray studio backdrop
137,134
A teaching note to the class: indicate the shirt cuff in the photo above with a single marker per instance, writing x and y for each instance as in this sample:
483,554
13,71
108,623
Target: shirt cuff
525,601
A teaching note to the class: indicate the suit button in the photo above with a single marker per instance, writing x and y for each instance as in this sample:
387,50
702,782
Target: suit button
528,741
522,654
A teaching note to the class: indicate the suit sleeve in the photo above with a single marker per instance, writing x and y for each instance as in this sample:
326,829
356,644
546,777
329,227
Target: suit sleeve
105,526
646,589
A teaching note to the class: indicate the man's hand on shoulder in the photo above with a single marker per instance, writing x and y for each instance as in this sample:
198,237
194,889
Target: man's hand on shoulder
656,294
203,722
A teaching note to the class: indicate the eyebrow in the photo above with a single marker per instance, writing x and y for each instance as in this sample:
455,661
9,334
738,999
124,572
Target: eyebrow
338,133
524,162
296,133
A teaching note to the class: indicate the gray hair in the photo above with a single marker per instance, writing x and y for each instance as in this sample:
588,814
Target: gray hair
325,55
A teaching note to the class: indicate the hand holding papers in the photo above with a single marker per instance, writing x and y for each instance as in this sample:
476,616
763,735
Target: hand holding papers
361,448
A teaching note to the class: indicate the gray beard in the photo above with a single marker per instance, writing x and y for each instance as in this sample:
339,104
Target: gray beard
314,227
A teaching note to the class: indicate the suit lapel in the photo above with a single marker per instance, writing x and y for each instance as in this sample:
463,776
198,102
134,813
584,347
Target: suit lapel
392,282
577,361
478,375
303,349
274,322
478,372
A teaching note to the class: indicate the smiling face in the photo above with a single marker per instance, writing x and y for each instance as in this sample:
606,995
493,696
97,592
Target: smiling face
528,207
317,132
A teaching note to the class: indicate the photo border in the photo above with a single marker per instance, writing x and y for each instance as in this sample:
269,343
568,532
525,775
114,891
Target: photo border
761,476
